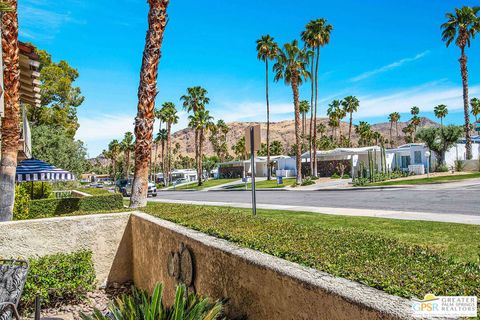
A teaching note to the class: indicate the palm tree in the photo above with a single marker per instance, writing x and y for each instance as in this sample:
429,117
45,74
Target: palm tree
202,122
195,100
461,26
127,146
169,116
415,121
321,129
475,103
10,129
316,35
162,139
114,149
364,131
291,66
147,91
393,118
350,105
335,114
409,131
304,108
441,112
267,50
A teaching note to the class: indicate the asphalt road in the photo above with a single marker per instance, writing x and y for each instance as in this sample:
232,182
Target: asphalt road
449,201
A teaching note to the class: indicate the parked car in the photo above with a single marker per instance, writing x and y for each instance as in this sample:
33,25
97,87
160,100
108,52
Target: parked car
125,188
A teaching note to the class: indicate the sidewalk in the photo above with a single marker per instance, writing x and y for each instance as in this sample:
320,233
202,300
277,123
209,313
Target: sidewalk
388,214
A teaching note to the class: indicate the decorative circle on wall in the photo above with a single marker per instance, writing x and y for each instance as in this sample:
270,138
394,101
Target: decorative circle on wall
174,265
186,267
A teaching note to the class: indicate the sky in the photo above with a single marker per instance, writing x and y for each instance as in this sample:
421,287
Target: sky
387,53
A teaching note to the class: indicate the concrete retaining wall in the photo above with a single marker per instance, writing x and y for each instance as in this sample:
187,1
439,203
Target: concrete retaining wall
107,235
256,285
136,246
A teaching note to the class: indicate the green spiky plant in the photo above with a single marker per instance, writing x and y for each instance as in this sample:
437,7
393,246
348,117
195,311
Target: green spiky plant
140,305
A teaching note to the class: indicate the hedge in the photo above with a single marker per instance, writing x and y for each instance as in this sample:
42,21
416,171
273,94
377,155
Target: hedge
375,260
55,207
59,279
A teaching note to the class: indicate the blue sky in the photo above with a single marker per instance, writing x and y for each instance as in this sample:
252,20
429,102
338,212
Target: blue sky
387,53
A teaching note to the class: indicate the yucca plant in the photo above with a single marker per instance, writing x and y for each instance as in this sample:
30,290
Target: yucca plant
142,306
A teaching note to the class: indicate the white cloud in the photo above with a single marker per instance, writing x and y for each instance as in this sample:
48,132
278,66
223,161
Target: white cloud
388,67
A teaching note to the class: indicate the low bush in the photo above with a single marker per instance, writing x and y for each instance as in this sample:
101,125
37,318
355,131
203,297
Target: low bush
346,176
59,279
141,305
40,190
441,168
20,208
56,207
375,260
96,191
459,165
335,176
307,182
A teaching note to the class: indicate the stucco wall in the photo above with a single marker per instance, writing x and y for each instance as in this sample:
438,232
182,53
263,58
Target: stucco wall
107,235
255,285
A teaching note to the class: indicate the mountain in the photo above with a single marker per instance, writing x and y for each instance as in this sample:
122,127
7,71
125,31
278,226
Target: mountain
283,131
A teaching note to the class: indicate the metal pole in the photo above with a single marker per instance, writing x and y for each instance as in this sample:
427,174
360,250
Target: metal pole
252,167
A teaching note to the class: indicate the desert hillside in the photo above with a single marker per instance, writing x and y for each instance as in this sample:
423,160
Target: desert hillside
283,131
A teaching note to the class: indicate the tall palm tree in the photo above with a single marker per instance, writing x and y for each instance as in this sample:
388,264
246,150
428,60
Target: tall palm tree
335,114
114,149
195,100
350,105
169,116
475,103
461,26
393,118
415,121
321,129
316,35
365,133
162,139
441,112
304,108
127,146
291,66
202,122
10,129
267,50
147,91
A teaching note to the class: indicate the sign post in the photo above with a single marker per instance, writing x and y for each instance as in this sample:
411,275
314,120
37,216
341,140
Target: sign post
252,139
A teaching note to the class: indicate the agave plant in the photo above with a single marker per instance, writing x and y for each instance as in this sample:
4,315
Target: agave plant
142,306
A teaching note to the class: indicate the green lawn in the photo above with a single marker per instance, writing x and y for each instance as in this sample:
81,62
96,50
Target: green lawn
268,184
428,180
95,191
400,257
207,184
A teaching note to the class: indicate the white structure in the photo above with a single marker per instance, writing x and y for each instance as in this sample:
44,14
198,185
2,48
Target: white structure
282,166
356,156
186,175
410,158
458,152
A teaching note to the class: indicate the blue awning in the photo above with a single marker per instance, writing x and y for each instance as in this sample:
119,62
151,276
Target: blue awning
37,170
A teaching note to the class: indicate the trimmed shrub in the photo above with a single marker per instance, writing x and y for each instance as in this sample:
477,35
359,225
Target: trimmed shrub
55,207
39,191
59,279
20,209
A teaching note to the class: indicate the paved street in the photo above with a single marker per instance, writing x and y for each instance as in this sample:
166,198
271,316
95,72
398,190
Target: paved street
463,200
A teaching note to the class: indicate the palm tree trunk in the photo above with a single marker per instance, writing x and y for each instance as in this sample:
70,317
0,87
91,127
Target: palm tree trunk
127,164
350,130
315,164
391,128
169,158
311,114
269,176
463,66
196,153
297,129
163,162
200,151
10,125
396,128
147,91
